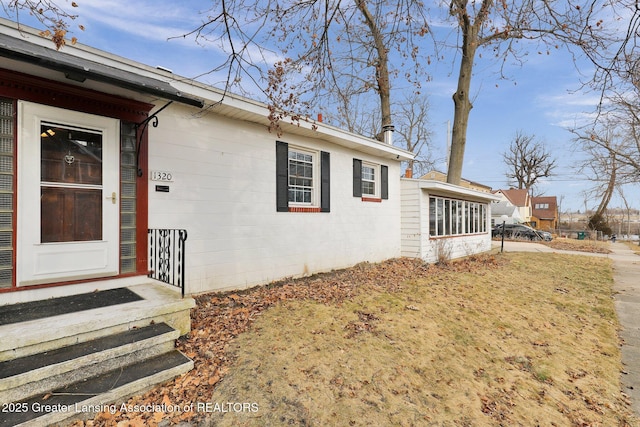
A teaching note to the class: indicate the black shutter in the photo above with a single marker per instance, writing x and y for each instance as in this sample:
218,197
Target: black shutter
357,178
325,189
282,176
384,182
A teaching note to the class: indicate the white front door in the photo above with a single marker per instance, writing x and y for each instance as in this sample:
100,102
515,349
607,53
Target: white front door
68,186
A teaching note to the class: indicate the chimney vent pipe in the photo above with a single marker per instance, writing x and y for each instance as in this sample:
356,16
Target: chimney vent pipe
387,130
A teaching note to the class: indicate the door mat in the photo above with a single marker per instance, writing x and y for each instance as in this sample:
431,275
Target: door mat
22,312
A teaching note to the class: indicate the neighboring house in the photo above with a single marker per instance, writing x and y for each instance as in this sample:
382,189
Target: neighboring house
442,221
520,198
96,151
545,213
505,212
435,175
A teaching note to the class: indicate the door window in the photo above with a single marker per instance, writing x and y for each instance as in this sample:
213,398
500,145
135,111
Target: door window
70,184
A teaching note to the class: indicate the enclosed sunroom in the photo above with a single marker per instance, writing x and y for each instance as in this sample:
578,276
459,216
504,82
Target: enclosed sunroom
441,221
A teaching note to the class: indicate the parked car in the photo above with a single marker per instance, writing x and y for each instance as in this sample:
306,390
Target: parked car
516,231
546,236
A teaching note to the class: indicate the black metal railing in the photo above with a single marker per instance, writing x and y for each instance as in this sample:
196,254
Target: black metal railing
166,256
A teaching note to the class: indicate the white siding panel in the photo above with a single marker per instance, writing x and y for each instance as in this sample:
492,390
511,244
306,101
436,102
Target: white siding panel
224,193
411,219
457,247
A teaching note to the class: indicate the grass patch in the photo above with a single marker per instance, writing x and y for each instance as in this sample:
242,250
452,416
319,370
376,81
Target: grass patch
588,245
530,342
633,246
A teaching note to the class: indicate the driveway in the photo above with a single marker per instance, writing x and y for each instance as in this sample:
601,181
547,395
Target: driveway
626,276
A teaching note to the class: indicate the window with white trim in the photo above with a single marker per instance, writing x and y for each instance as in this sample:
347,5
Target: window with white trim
369,180
301,177
451,217
303,181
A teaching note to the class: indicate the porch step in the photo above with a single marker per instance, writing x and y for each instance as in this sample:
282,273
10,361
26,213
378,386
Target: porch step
84,397
156,304
21,312
87,354
30,375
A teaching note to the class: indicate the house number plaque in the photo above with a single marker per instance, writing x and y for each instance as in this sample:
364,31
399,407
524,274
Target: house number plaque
162,176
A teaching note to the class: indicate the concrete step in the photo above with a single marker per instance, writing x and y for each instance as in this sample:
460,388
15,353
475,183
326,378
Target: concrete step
157,304
72,354
27,376
82,398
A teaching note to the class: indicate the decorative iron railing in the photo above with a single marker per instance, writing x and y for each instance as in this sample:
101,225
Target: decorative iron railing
166,256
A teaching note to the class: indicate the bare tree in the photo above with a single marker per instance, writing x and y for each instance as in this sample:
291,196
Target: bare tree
54,17
411,121
497,27
326,48
627,210
351,110
617,63
602,172
612,148
338,49
492,26
527,161
238,27
624,117
323,44
413,132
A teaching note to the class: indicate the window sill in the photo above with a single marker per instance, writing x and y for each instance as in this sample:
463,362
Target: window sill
457,236
303,209
372,199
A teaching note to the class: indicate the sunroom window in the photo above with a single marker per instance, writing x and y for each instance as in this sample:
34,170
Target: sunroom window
450,217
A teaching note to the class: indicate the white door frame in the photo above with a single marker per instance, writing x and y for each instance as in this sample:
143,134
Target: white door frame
37,262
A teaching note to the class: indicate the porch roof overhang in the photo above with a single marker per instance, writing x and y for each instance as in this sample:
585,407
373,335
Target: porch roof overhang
446,189
80,69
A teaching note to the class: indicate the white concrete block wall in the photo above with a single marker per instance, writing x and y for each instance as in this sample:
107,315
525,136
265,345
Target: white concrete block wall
224,193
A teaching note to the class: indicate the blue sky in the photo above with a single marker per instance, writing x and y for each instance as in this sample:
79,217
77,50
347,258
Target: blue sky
542,97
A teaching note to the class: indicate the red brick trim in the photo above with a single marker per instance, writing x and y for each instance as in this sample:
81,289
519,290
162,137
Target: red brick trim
300,209
372,199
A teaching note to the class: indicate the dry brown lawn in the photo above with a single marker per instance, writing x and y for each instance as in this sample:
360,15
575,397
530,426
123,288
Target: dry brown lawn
587,245
503,340
533,342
